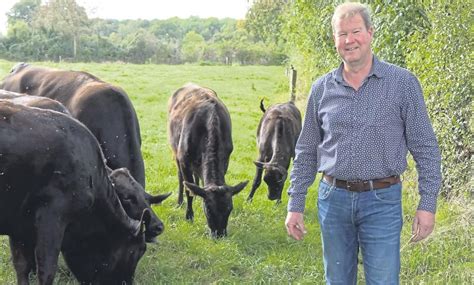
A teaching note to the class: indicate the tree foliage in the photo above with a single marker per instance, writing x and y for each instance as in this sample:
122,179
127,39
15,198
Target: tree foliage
441,54
65,17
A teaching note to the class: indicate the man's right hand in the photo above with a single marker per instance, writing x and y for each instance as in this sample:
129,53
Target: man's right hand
295,225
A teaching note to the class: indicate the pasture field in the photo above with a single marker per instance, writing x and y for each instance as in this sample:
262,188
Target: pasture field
257,249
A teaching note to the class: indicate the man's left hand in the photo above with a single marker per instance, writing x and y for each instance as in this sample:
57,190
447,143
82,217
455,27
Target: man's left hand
423,225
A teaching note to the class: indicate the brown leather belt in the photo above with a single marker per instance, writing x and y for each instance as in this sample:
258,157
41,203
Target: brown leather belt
363,185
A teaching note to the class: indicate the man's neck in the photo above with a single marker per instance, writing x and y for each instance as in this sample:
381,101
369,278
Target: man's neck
354,75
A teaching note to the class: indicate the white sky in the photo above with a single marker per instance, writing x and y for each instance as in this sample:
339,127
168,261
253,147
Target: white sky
150,9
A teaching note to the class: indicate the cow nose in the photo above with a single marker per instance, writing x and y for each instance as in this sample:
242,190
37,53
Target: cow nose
153,231
273,196
219,233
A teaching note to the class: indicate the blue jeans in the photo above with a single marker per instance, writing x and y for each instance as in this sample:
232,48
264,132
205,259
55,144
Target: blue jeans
371,221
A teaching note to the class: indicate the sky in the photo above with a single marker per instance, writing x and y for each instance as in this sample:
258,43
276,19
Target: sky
150,9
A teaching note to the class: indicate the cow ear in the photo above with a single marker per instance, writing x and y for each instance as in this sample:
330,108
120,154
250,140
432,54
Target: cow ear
158,198
237,188
259,164
194,189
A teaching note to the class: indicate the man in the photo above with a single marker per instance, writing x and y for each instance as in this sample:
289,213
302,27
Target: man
361,120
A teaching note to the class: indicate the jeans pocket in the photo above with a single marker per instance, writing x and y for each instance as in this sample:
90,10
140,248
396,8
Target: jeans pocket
391,195
324,190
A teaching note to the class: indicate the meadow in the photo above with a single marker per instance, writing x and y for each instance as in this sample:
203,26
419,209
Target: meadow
257,249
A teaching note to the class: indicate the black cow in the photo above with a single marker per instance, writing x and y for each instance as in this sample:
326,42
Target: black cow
97,253
199,129
55,189
105,109
277,134
33,101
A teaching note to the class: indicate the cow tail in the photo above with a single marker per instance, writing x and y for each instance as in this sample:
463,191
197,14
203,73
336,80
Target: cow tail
262,107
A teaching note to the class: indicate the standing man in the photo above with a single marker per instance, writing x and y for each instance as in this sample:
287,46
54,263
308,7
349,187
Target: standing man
361,120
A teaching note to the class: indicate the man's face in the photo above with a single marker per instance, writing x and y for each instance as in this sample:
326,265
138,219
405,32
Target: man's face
353,40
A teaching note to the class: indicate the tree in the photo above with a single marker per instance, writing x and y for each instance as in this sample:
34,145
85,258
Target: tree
24,11
65,17
265,19
193,47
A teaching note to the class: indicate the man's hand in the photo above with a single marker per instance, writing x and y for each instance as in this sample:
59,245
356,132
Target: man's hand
423,225
295,225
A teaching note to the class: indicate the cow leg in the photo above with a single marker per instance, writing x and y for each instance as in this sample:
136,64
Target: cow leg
188,176
189,209
181,185
49,236
23,259
196,179
256,182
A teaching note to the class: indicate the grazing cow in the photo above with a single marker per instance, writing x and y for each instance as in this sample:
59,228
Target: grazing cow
105,109
97,253
277,134
55,188
199,129
33,101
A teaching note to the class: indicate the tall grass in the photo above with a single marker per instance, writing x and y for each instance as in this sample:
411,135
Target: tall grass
257,249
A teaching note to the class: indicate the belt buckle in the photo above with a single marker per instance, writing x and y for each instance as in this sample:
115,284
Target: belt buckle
353,187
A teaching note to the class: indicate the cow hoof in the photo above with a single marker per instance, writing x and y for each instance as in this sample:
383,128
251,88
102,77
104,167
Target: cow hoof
189,217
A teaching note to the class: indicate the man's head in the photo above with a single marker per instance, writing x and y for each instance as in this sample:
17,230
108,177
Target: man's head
353,32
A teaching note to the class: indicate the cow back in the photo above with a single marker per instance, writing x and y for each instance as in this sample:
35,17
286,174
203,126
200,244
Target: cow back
199,127
33,101
105,109
279,127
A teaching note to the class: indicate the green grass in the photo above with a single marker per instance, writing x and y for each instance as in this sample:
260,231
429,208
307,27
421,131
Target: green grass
257,249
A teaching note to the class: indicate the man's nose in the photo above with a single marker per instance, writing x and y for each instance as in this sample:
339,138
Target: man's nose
349,38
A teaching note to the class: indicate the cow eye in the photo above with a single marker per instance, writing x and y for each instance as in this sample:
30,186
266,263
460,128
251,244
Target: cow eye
128,199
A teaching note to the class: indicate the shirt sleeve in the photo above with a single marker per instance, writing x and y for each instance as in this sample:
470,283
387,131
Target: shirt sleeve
305,165
422,144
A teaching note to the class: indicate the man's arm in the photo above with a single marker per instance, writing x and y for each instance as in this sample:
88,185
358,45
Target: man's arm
423,146
305,164
304,168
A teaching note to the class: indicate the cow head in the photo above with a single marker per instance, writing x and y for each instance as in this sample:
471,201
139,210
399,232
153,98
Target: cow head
217,204
104,258
275,177
17,67
136,201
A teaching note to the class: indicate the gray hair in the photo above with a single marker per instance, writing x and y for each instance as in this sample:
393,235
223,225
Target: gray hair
350,9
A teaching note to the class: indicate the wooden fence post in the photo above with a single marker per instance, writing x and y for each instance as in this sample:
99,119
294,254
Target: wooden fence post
292,84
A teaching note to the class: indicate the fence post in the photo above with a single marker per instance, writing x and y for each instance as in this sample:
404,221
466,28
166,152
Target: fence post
292,84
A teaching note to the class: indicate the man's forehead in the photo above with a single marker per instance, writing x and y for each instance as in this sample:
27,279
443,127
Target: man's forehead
353,20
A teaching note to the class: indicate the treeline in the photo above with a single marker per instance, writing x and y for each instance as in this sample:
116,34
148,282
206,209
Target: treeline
61,30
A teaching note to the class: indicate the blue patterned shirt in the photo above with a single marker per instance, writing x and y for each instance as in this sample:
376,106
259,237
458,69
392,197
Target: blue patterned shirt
366,133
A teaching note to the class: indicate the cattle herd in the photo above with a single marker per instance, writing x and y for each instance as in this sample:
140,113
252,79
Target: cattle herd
72,176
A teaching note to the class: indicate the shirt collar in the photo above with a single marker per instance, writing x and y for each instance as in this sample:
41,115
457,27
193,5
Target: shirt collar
376,70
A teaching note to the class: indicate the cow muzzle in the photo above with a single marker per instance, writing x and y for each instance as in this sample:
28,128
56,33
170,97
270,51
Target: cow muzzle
219,233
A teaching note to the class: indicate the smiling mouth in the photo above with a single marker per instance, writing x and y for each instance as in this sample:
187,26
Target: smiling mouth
351,49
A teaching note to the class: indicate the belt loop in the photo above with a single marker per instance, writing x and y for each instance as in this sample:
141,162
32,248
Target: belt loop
371,183
334,182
